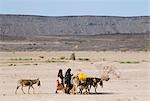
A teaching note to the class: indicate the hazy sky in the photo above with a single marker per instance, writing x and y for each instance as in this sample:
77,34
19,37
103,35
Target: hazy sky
76,7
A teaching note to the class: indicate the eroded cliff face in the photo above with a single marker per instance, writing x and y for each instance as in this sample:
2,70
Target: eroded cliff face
24,25
74,33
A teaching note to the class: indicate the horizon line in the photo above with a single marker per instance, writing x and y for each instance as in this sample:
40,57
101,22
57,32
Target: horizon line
38,15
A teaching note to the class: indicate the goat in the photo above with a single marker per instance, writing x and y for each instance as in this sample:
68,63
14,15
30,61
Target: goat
27,82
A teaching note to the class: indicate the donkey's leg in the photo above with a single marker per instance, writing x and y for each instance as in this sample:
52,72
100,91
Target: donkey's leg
95,89
56,91
101,84
89,88
75,89
22,89
33,89
86,90
17,89
28,90
80,90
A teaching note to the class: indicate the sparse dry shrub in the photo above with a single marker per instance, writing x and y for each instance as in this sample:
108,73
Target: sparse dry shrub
62,57
54,61
12,65
124,49
84,59
129,62
41,56
108,70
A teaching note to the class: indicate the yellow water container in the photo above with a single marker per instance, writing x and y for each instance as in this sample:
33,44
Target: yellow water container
82,76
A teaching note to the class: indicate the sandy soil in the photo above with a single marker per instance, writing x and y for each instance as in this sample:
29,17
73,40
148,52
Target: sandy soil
133,68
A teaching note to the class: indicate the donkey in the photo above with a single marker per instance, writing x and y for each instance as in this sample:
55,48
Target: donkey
87,84
92,81
78,85
27,82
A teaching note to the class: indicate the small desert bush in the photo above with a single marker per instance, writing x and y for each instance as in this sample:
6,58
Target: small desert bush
54,61
62,57
129,62
12,65
124,49
84,59
108,70
41,56
21,59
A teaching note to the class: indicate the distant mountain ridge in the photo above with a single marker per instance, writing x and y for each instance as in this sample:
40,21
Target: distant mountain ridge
28,25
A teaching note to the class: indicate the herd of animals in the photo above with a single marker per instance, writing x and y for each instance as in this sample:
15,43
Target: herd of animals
69,84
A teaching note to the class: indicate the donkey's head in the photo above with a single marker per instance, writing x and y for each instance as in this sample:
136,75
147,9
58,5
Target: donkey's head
105,77
76,80
38,82
101,83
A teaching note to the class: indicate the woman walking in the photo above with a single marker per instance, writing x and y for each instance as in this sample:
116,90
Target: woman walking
68,76
60,81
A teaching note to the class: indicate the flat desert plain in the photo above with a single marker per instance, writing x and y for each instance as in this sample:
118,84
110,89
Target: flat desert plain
131,84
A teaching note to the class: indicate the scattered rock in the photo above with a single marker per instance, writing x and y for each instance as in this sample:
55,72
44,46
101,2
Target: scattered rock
72,57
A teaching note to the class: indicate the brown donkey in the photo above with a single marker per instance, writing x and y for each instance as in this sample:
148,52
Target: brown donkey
27,82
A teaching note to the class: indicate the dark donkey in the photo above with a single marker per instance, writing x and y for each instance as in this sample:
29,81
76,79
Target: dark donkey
94,82
27,82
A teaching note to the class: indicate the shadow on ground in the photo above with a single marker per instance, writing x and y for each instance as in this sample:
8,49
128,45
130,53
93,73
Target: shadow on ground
102,93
